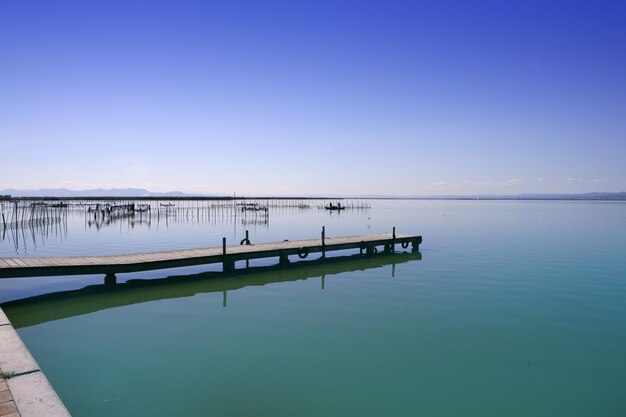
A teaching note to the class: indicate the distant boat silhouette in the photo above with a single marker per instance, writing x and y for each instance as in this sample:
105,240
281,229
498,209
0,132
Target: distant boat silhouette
333,207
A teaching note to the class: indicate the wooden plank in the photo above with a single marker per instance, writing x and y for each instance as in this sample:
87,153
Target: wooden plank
20,262
54,261
4,264
12,263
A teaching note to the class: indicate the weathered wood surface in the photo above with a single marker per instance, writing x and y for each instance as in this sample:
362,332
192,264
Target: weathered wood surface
70,265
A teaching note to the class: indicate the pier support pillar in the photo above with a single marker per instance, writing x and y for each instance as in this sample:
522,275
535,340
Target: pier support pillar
283,259
371,250
110,279
229,265
415,244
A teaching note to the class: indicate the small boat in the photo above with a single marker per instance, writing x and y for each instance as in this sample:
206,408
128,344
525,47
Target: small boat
334,207
142,208
254,208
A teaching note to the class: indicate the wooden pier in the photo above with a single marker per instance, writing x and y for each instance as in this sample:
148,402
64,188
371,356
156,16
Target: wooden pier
60,305
227,255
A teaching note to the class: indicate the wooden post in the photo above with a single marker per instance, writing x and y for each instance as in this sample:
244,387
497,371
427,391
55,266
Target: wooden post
323,240
110,278
283,259
228,265
415,244
393,240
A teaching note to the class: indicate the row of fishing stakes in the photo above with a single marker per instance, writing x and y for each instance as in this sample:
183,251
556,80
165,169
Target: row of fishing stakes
229,264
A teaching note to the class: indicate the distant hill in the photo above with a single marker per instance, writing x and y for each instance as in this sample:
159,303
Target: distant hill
141,192
99,192
621,196
584,196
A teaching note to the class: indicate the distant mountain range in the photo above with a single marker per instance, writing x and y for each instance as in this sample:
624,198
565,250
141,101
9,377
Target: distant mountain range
584,196
620,196
99,192
140,192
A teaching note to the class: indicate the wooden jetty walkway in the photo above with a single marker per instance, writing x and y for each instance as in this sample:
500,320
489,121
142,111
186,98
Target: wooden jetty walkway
227,255
61,305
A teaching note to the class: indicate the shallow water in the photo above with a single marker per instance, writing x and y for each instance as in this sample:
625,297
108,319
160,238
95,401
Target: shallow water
511,308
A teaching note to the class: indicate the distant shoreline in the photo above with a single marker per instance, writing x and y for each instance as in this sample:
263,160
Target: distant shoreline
619,197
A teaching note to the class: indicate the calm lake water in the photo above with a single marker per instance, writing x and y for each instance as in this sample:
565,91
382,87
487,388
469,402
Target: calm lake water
511,308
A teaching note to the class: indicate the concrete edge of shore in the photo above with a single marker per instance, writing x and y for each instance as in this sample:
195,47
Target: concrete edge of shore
28,393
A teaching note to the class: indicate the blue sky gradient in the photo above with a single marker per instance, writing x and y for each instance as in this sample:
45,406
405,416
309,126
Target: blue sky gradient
338,97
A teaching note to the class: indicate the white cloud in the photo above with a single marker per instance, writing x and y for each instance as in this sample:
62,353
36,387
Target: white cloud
514,181
482,184
585,181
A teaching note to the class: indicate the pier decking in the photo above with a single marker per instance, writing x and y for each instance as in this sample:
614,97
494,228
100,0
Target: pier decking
228,255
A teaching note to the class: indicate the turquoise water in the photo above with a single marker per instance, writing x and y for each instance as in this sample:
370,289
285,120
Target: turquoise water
512,308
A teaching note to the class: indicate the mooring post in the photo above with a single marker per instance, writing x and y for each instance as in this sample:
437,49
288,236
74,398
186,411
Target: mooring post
245,240
393,240
415,244
323,241
110,278
283,259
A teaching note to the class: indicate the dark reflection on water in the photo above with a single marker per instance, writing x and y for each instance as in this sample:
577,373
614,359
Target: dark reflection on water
60,305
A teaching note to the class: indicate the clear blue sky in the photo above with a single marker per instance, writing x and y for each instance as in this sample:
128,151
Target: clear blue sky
337,97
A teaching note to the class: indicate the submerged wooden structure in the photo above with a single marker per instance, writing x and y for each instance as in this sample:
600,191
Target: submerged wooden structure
227,255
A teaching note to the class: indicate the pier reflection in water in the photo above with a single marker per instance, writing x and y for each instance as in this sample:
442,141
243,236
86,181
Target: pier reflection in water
50,307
